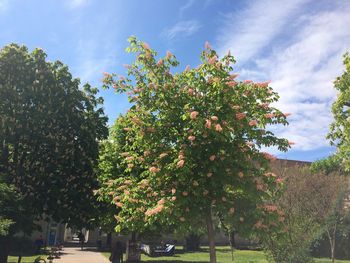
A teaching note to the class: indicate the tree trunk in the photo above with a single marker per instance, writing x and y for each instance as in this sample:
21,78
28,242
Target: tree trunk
192,242
211,237
231,238
4,249
109,240
332,245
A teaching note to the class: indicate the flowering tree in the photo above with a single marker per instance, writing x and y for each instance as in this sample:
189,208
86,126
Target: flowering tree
192,143
49,132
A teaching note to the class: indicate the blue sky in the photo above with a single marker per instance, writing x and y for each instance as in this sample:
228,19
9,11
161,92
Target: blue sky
298,45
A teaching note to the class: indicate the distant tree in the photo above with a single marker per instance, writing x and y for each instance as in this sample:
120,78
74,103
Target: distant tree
339,134
193,143
310,205
49,134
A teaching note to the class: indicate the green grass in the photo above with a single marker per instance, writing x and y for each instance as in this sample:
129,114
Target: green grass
25,259
223,256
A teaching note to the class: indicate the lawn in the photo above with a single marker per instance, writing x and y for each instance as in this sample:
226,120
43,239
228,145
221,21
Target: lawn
223,256
26,259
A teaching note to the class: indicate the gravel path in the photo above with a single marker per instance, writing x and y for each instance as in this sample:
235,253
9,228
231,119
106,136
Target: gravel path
75,255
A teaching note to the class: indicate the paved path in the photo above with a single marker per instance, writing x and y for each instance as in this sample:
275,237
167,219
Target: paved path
75,255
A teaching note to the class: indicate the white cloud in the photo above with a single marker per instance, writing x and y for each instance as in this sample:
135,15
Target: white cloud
182,28
249,31
302,67
76,3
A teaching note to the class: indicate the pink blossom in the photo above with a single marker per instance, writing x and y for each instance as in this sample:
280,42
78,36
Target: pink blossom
184,193
119,204
161,201
241,115
154,169
291,143
269,115
182,219
269,174
212,157
194,115
287,114
191,138
146,153
270,208
269,156
187,68
265,105
206,192
130,165
163,155
173,191
247,81
279,180
253,123
240,174
224,199
180,163
207,124
124,154
241,219
259,225
190,91
231,83
127,129
232,210
160,62
263,84
212,60
145,45
218,128
207,45
210,174
168,54
173,198
214,118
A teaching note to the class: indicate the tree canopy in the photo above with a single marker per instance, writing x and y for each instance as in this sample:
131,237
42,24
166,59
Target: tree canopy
49,133
193,144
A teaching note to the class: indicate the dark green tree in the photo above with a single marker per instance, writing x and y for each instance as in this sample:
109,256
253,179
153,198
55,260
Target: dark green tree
49,134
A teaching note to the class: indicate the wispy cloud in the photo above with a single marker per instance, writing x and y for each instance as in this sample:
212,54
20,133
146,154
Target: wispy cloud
249,31
186,6
93,58
182,28
302,66
72,4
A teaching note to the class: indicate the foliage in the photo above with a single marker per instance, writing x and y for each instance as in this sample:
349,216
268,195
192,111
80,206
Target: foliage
192,143
308,203
49,132
340,130
331,164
